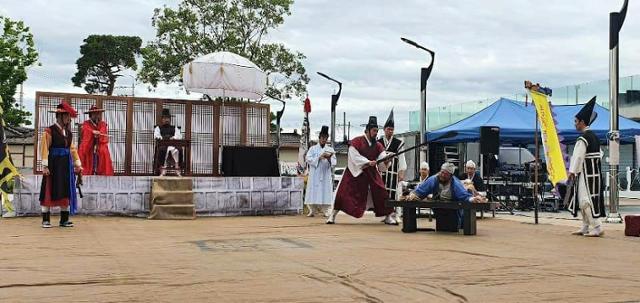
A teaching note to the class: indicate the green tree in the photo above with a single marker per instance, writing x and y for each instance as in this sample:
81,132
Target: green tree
103,58
17,53
200,27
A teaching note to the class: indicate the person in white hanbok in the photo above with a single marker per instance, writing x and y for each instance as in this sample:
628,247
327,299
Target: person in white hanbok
321,158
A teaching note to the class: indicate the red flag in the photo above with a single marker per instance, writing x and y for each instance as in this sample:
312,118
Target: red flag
307,105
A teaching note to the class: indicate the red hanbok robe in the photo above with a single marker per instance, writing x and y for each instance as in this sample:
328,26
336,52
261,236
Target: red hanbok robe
92,147
362,183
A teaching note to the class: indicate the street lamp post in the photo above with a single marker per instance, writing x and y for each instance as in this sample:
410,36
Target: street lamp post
616,19
425,72
278,117
334,103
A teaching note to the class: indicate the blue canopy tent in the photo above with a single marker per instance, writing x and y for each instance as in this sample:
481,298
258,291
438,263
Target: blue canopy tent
517,124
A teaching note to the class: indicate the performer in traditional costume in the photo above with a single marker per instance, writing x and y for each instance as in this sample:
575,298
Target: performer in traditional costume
361,185
424,171
94,145
321,158
444,186
395,173
473,177
166,131
60,162
585,172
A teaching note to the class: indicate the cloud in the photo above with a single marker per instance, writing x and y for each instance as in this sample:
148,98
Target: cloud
484,49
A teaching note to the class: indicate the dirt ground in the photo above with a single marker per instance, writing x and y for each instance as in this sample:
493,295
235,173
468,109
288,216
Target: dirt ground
299,259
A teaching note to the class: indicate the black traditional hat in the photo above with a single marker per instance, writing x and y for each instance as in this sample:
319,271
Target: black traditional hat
373,123
390,122
166,112
324,131
587,114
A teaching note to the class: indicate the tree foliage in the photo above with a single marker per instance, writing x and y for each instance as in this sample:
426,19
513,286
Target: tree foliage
17,53
200,27
103,58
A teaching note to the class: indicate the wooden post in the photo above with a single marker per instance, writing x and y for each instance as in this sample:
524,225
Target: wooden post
243,124
216,138
128,150
187,130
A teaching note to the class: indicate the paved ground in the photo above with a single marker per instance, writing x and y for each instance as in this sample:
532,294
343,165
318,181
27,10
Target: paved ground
299,259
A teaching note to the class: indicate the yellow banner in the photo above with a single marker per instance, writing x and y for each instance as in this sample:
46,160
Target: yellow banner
552,152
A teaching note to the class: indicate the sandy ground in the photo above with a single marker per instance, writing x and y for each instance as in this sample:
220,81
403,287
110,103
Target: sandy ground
299,259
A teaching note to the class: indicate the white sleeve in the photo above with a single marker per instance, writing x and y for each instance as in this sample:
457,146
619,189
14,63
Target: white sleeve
402,161
313,156
156,133
577,158
334,161
177,135
382,167
355,161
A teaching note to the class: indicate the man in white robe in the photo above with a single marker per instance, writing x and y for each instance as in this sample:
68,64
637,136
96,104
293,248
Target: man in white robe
321,158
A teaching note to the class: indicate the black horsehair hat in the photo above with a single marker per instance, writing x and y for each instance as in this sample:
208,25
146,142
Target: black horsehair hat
324,131
390,122
587,114
166,112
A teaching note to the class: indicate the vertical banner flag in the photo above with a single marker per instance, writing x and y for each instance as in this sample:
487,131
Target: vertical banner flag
552,151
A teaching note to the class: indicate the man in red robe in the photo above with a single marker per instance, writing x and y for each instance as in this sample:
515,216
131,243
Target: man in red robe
94,145
361,186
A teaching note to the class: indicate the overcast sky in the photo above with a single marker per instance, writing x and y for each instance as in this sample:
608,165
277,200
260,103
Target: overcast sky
483,48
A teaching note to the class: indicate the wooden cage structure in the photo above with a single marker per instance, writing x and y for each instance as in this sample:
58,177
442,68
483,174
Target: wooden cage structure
131,121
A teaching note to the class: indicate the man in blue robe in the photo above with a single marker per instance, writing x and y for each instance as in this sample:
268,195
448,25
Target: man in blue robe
444,186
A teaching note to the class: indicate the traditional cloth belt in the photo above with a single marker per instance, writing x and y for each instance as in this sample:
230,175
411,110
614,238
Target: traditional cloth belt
73,199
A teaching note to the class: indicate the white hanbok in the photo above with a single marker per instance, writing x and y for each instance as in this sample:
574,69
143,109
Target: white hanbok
320,182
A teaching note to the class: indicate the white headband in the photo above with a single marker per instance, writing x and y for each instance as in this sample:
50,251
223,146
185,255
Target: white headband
471,164
449,167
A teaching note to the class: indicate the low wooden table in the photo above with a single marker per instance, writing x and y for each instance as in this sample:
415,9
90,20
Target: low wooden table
409,216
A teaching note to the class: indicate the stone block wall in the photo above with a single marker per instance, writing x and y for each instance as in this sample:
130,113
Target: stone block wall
213,196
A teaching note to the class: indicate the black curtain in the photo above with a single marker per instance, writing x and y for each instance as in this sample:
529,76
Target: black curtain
245,161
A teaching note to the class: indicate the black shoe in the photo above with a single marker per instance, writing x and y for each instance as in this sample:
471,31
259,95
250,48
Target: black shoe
64,219
66,224
46,220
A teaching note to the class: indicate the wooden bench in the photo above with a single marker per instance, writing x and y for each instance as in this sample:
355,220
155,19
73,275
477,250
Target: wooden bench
409,216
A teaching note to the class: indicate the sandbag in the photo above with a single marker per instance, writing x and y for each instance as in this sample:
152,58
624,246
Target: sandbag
172,199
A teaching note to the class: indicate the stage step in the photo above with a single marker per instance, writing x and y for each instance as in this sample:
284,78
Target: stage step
172,198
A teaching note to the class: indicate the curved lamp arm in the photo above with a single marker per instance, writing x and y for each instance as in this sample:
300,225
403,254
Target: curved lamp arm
616,19
426,71
334,98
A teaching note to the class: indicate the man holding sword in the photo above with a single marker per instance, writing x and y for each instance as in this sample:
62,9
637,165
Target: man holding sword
361,186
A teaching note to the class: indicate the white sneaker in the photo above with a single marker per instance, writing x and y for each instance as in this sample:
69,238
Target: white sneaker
390,220
596,232
583,231
332,218
10,214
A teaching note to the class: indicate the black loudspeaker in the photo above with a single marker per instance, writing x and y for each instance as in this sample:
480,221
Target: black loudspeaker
490,140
